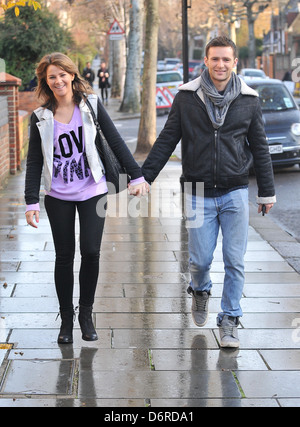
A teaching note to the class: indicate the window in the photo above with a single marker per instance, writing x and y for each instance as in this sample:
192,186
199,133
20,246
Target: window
274,97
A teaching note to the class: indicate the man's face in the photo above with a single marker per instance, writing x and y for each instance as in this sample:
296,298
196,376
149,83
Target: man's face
220,63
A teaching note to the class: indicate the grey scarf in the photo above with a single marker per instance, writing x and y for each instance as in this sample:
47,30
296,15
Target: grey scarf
216,104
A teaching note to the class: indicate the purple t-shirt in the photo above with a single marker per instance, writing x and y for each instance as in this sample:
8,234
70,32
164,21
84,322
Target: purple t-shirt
72,178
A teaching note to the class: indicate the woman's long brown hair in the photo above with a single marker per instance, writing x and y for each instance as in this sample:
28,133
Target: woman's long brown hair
80,86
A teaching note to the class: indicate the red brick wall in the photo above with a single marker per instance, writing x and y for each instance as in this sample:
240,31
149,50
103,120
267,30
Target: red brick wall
28,101
14,120
4,141
10,88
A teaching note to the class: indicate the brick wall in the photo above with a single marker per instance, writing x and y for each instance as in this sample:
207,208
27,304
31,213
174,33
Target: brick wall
14,121
10,89
4,140
28,101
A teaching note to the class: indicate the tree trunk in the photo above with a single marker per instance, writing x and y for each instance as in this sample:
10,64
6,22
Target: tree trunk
147,128
252,15
132,93
117,69
251,41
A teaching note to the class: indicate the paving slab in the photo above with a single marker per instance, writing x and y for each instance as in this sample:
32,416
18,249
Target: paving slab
274,321
267,339
278,360
209,360
39,377
163,338
269,384
45,338
180,385
215,403
150,321
289,403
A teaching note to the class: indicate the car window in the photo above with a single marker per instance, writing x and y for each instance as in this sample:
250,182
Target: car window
168,77
172,61
274,97
253,73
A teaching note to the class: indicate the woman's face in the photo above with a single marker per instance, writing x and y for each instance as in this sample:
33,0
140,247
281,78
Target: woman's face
59,81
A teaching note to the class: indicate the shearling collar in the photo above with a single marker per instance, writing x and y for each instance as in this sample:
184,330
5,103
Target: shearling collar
194,86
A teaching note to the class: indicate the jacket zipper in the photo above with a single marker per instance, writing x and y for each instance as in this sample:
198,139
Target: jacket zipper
215,165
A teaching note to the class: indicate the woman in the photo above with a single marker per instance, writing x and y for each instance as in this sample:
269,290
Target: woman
62,139
103,82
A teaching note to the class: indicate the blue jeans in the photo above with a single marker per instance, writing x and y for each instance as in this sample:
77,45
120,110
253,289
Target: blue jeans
231,213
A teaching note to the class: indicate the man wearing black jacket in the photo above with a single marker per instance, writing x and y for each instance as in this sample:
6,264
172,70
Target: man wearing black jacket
218,119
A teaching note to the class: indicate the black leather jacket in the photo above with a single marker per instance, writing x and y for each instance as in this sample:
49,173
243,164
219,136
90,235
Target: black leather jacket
219,158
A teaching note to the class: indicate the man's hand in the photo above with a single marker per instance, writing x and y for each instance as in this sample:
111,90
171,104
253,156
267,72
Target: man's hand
268,207
29,218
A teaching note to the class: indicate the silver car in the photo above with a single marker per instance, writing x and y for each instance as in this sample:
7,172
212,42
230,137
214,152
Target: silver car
252,73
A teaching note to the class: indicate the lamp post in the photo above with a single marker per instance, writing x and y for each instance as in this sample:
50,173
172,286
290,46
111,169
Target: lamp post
185,39
185,56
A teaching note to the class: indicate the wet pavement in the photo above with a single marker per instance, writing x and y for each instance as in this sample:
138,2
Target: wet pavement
149,351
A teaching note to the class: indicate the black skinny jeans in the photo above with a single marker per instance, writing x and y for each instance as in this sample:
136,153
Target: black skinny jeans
61,215
104,94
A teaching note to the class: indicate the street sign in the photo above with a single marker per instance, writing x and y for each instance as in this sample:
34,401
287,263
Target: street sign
116,32
168,94
161,100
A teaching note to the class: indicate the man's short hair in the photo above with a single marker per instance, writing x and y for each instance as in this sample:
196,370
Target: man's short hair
221,41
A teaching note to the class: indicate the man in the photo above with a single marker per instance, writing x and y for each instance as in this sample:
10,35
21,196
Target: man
218,117
88,74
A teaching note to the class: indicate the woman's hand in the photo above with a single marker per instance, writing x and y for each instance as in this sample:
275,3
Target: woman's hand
139,189
29,218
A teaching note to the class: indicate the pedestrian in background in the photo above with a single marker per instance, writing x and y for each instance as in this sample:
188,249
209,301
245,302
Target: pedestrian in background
218,119
88,74
104,84
62,140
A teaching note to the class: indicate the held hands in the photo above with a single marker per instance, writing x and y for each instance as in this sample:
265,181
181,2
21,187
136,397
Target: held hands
139,189
29,218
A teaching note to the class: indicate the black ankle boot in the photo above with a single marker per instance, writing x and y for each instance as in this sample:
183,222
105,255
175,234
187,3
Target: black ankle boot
86,323
66,330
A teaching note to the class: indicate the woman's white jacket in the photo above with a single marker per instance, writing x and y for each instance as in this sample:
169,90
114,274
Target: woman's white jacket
40,152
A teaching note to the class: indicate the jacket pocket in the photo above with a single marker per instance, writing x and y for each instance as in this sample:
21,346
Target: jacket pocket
241,154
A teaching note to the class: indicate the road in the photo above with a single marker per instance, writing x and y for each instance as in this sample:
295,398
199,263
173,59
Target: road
286,212
129,129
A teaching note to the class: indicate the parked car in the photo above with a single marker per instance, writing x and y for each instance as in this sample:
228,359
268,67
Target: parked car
252,73
281,117
170,63
160,65
170,79
198,70
192,64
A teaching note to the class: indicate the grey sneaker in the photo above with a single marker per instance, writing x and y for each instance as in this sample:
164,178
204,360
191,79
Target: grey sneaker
200,300
228,331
